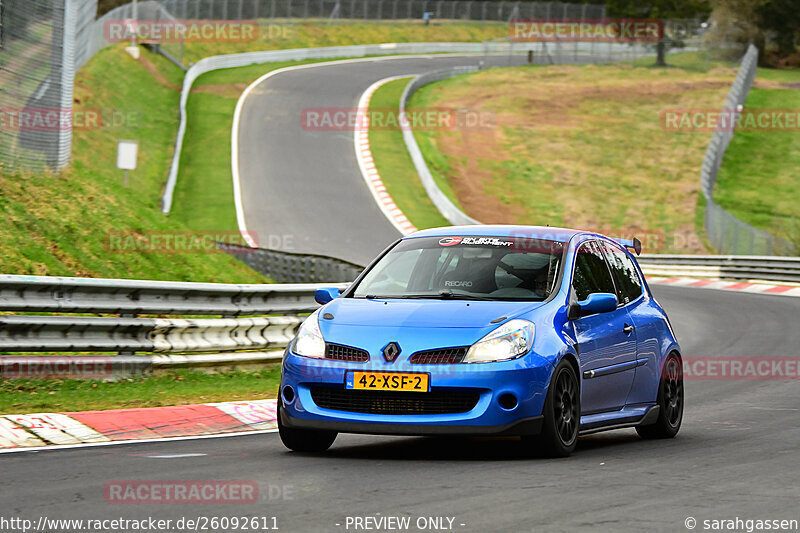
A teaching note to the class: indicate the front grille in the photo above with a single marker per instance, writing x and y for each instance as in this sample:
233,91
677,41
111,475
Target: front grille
444,356
340,352
395,403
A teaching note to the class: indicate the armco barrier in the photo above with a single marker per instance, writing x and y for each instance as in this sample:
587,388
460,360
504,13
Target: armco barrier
246,340
447,208
175,340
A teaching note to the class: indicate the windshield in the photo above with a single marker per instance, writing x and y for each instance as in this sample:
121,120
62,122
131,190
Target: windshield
480,268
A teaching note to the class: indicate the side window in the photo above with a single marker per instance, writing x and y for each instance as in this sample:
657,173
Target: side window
629,286
591,272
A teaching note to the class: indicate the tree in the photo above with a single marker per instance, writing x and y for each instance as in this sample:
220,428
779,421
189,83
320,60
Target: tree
782,19
659,9
752,21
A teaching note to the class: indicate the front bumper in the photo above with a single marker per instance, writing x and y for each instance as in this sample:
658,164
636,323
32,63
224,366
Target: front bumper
525,379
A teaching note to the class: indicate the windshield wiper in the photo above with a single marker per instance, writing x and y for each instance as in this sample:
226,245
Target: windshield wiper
447,295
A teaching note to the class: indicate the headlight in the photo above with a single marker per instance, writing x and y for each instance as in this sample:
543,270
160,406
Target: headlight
511,340
309,341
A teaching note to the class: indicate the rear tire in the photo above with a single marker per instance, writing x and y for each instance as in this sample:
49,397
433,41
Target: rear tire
304,440
670,402
562,414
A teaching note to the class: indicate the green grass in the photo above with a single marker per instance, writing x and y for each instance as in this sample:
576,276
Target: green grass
396,168
699,61
308,35
204,192
584,149
173,388
60,224
759,180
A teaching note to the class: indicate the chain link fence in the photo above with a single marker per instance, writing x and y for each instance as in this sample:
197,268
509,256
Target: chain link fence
379,10
37,65
726,233
279,12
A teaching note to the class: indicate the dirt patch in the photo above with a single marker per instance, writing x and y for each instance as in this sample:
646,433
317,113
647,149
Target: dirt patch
469,149
159,77
228,90
771,84
553,107
581,148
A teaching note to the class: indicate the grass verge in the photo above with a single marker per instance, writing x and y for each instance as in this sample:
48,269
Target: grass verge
312,35
173,388
585,149
759,180
396,168
66,224
204,192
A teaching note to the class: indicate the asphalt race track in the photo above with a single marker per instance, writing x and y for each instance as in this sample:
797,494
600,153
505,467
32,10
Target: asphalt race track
318,204
736,455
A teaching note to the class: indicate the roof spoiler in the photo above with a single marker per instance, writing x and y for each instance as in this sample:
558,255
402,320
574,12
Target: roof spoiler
635,244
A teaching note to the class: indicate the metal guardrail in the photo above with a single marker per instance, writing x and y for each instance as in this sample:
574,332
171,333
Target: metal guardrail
127,335
165,338
133,297
446,207
180,342
726,267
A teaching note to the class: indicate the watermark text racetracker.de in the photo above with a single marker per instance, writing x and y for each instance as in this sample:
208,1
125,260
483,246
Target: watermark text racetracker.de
418,119
58,367
180,31
189,492
194,242
55,119
728,120
741,368
590,30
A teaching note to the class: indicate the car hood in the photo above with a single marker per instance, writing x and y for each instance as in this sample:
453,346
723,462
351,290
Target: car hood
398,313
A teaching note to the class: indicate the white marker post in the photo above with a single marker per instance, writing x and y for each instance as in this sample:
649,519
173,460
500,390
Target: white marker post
127,154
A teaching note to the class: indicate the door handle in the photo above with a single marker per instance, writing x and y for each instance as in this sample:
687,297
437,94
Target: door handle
628,329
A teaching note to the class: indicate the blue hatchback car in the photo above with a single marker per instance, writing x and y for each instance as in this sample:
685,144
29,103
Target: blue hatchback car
539,332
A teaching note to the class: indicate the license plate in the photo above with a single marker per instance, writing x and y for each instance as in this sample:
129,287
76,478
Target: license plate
391,381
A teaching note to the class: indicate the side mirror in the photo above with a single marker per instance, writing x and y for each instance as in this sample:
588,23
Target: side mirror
326,294
599,302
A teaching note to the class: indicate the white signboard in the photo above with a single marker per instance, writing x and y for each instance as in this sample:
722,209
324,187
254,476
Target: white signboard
127,153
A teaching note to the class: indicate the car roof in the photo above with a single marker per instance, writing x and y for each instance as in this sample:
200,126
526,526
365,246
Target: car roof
500,230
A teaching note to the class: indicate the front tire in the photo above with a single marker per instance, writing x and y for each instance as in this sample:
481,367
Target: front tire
562,414
304,440
670,402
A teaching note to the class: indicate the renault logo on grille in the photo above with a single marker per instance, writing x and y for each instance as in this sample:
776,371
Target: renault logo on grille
391,351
